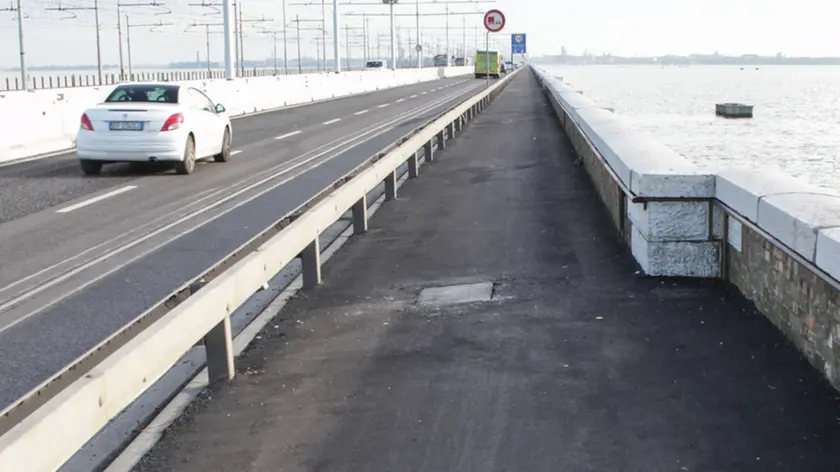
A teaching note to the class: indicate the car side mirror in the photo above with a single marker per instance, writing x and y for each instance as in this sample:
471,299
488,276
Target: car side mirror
220,108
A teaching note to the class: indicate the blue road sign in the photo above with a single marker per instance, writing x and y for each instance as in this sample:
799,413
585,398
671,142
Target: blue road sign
517,44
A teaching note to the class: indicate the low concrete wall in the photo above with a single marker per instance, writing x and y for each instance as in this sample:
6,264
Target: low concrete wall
775,238
45,121
646,186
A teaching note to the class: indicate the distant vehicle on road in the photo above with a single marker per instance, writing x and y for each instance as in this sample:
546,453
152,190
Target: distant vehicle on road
488,63
375,65
153,123
441,60
463,61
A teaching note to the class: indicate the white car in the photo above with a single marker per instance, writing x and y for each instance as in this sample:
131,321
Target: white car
149,122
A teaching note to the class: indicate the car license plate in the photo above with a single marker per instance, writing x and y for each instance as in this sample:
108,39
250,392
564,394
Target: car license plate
126,126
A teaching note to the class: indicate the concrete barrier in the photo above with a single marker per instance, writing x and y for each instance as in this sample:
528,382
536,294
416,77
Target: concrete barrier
46,121
774,237
49,436
646,186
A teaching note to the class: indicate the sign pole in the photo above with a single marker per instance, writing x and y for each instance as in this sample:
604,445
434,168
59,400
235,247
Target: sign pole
487,57
494,21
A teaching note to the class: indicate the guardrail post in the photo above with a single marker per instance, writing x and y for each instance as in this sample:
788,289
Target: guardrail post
391,186
218,349
429,151
413,166
451,129
441,139
360,221
310,258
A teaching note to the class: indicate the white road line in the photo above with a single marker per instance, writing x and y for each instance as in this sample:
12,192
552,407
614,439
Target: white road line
360,112
413,96
331,121
424,93
233,153
400,100
284,136
99,198
383,105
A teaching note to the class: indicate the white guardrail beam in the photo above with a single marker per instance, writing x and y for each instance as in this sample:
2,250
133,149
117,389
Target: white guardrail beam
46,439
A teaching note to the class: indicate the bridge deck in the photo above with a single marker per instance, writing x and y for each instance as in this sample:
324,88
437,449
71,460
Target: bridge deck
575,364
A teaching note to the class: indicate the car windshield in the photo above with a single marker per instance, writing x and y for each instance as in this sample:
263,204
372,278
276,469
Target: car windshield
373,64
144,93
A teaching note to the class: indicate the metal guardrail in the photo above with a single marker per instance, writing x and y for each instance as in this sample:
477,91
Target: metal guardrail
49,436
66,81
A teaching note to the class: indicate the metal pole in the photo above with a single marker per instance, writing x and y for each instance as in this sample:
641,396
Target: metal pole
297,20
241,42
336,44
23,72
229,18
285,42
98,42
347,45
447,35
209,66
128,46
417,18
236,35
365,39
464,21
323,65
487,58
393,39
275,52
120,41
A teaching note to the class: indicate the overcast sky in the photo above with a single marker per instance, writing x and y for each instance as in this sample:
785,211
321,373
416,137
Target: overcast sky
624,27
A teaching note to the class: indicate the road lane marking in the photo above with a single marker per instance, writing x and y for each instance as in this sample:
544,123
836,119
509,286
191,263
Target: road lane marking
284,136
99,198
400,100
383,105
413,96
360,112
424,93
233,153
336,120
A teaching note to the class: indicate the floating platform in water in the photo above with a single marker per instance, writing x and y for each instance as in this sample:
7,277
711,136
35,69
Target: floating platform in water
734,110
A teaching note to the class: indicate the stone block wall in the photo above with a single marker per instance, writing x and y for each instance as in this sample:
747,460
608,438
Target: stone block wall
802,304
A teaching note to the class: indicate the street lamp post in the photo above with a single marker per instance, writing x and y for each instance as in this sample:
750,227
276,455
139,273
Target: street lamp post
391,4
418,46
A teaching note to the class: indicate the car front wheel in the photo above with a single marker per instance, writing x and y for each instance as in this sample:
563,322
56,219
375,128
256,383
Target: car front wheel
186,166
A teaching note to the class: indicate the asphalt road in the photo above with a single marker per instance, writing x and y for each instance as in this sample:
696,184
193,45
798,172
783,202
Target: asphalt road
574,364
75,272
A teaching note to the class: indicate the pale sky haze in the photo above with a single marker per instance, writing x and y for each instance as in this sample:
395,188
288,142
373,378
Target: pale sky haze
622,27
